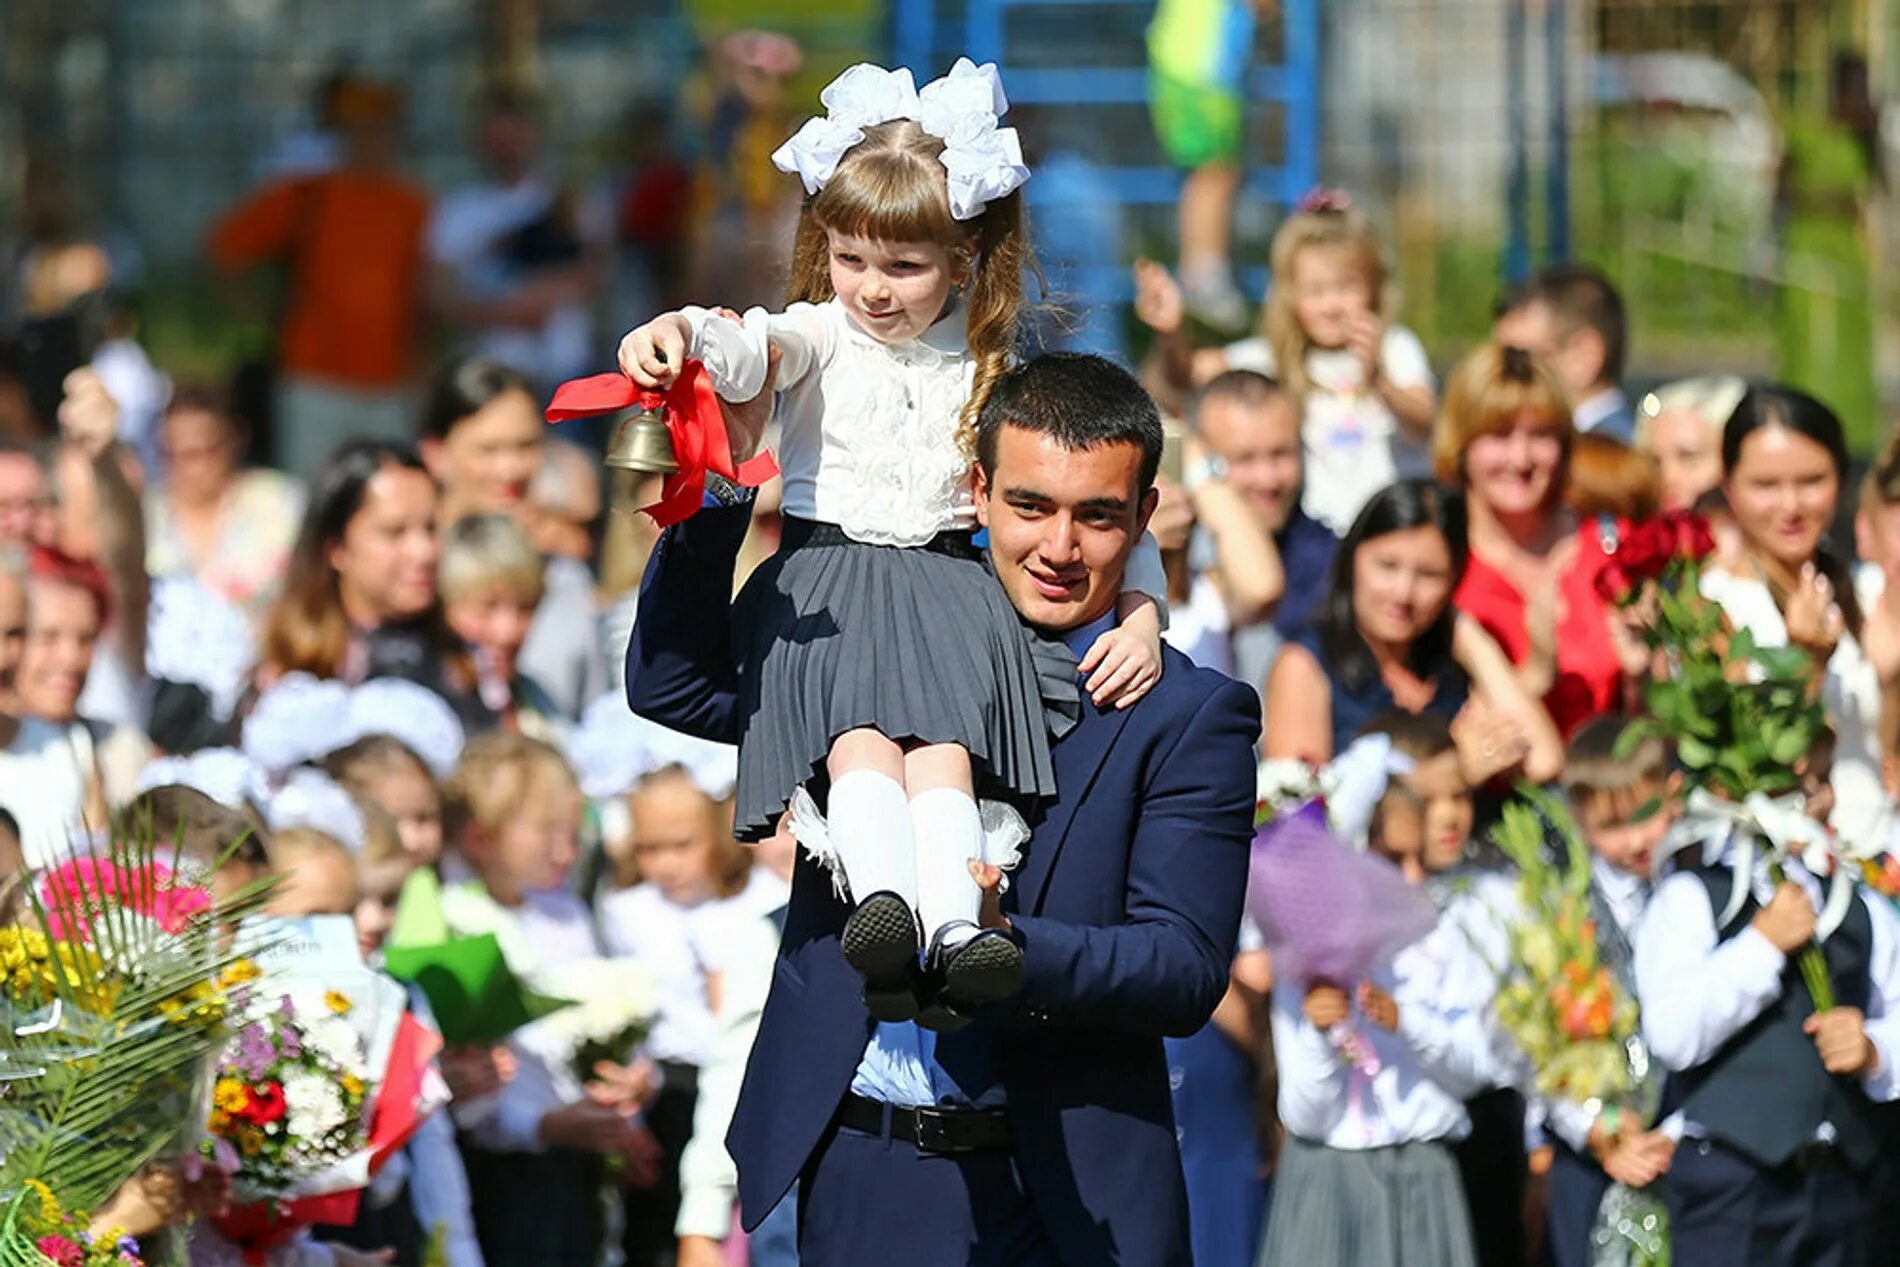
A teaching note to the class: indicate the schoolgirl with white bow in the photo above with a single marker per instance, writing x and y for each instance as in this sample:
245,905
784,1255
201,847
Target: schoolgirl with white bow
879,654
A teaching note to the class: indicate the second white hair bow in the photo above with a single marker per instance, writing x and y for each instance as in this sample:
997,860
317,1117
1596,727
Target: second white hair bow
982,161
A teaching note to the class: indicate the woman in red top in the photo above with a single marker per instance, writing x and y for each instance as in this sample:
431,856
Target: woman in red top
1505,438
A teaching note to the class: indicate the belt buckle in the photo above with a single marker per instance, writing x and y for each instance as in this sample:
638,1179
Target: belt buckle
934,1132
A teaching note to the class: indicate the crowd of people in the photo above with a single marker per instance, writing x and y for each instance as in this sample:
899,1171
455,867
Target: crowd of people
420,642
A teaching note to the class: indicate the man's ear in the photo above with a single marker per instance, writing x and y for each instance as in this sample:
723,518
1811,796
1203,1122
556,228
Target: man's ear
980,491
1146,511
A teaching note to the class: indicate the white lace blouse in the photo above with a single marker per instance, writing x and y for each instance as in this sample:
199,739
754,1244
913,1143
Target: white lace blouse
868,431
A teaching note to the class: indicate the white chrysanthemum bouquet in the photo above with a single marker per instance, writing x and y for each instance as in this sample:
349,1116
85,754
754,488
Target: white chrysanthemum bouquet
615,1001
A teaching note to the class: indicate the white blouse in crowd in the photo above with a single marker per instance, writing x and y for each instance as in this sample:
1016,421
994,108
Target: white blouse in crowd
1850,693
549,929
1200,628
44,774
1354,446
1716,988
1444,1052
682,946
867,430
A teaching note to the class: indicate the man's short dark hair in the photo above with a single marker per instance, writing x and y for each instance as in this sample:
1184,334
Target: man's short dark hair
1083,401
1583,298
1249,389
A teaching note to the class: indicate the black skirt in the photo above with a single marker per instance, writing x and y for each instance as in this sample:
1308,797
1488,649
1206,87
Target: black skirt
919,643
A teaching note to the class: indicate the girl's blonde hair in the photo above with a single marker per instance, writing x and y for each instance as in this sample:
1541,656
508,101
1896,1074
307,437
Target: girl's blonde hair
891,187
500,772
294,846
1486,395
1344,229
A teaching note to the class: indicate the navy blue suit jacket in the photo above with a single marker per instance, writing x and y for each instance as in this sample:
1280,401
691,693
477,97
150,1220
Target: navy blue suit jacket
1128,902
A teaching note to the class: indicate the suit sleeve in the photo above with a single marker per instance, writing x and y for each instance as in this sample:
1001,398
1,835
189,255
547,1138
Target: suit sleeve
1164,969
682,668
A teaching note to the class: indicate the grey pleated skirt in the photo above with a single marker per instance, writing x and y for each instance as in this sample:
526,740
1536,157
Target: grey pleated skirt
920,643
1402,1206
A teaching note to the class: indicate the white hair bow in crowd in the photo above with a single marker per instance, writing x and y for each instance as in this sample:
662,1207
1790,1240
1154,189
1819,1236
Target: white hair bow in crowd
982,160
225,775
312,799
613,749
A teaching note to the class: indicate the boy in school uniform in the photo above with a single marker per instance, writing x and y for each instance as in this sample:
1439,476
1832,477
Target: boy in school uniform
1777,1107
1624,807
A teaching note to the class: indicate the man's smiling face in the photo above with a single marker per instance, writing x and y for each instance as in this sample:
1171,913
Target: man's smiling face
1062,523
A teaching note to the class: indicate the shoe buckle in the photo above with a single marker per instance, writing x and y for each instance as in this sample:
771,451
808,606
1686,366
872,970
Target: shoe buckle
935,1132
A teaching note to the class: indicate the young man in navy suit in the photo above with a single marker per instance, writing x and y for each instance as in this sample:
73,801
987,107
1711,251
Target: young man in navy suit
1042,1132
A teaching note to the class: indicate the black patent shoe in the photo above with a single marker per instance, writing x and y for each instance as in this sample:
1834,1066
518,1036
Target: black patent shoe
986,968
881,941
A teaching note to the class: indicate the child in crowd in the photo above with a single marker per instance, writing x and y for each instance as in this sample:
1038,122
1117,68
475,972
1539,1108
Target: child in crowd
316,874
680,922
1327,336
1367,1177
232,842
492,581
383,771
1437,786
909,284
1624,806
534,1150
1776,1106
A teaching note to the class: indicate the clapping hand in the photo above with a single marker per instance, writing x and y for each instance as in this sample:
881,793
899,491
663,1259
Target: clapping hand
1813,618
1158,301
1365,336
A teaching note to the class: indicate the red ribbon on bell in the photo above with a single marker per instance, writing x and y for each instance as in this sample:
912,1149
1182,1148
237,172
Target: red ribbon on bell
694,421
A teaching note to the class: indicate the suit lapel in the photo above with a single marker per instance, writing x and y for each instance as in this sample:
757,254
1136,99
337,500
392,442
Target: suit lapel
1079,758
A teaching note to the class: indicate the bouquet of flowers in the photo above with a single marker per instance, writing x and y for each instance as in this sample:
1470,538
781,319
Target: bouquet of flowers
291,1097
1569,1012
116,986
326,1078
615,1002
1329,912
64,1238
1740,716
1559,1001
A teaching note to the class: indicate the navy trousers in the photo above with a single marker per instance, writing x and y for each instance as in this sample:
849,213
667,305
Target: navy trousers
1577,1185
865,1199
1727,1211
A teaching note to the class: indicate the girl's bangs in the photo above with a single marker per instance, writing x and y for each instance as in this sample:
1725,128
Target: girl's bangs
888,197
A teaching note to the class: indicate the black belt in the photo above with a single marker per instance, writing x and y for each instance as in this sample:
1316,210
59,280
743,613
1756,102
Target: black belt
930,1129
800,534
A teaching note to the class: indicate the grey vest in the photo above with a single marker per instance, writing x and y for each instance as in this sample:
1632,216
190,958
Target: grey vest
1765,1091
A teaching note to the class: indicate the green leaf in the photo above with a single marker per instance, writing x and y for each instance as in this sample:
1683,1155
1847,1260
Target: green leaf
1694,753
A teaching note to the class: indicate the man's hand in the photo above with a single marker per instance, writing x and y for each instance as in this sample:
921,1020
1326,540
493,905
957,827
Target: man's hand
1788,919
1840,1035
1325,1006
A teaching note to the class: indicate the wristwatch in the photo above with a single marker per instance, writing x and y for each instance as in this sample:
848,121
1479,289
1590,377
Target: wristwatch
1206,470
721,491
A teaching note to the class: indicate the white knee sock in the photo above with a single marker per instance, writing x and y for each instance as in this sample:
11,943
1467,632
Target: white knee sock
949,835
869,819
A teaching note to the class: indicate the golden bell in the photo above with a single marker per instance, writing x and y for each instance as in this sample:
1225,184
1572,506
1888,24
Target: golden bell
641,442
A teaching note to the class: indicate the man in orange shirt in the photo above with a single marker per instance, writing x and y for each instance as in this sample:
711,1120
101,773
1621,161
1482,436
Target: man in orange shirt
351,241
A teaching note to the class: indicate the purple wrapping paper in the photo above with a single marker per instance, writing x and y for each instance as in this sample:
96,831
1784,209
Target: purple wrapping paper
1329,912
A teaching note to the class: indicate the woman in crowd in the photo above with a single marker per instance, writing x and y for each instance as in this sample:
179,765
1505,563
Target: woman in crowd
1506,439
482,437
1681,424
1386,636
49,772
229,527
360,599
1784,458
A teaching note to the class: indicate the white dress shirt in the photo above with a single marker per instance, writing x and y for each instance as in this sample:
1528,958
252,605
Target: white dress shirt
1702,993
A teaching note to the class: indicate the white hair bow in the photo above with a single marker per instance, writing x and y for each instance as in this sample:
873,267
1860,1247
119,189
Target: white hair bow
982,161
